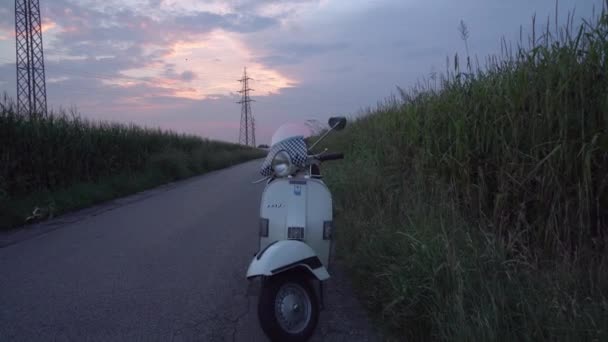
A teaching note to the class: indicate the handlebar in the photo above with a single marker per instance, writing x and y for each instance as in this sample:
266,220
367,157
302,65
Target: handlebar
331,156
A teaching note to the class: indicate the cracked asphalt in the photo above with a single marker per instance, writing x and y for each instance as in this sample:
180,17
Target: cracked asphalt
164,265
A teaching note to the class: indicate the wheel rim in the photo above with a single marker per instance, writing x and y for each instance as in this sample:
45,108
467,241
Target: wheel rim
293,308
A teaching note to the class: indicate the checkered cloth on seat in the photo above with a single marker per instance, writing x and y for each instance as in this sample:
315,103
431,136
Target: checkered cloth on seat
295,146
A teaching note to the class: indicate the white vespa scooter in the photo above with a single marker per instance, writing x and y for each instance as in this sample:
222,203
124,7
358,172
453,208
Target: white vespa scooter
295,236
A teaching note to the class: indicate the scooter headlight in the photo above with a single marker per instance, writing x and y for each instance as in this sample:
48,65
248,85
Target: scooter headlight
281,164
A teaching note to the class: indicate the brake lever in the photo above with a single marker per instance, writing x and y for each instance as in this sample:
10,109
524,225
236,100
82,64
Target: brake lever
321,153
314,158
260,180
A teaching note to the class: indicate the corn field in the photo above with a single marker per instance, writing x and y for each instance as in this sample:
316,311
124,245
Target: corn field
42,154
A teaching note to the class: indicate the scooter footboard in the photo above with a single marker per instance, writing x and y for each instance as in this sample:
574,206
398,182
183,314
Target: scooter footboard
284,255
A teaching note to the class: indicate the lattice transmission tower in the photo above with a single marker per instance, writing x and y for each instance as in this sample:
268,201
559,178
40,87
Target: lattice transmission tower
247,131
31,84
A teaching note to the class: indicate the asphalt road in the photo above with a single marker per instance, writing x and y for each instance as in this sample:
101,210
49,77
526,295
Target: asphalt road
164,265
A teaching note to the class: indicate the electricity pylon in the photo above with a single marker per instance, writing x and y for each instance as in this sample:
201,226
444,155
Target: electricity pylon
247,131
31,84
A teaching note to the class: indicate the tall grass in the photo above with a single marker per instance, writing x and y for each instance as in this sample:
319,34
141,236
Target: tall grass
44,156
477,209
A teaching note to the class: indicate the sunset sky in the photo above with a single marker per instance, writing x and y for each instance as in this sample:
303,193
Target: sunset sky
175,63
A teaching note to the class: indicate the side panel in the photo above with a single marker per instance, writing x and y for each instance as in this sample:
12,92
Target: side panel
318,210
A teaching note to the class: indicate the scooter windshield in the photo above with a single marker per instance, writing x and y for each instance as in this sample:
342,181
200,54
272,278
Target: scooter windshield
290,138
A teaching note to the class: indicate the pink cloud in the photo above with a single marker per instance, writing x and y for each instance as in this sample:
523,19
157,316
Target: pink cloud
198,55
47,25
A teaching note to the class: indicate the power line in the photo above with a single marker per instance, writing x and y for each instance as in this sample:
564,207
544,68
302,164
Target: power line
249,133
88,74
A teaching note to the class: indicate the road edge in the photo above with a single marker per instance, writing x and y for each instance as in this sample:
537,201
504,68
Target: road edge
30,231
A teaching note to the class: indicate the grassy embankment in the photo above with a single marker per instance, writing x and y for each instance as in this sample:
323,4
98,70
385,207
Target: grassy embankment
59,163
477,210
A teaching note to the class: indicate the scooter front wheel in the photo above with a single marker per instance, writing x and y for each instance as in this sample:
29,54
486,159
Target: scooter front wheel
288,308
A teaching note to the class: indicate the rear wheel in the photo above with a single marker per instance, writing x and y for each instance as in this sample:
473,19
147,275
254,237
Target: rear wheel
288,308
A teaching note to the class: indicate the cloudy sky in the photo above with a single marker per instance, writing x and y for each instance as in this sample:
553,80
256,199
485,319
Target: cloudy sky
175,63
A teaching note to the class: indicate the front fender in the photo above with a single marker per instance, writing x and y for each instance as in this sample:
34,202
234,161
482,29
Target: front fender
283,255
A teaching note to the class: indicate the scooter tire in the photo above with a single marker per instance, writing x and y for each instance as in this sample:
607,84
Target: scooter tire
266,307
